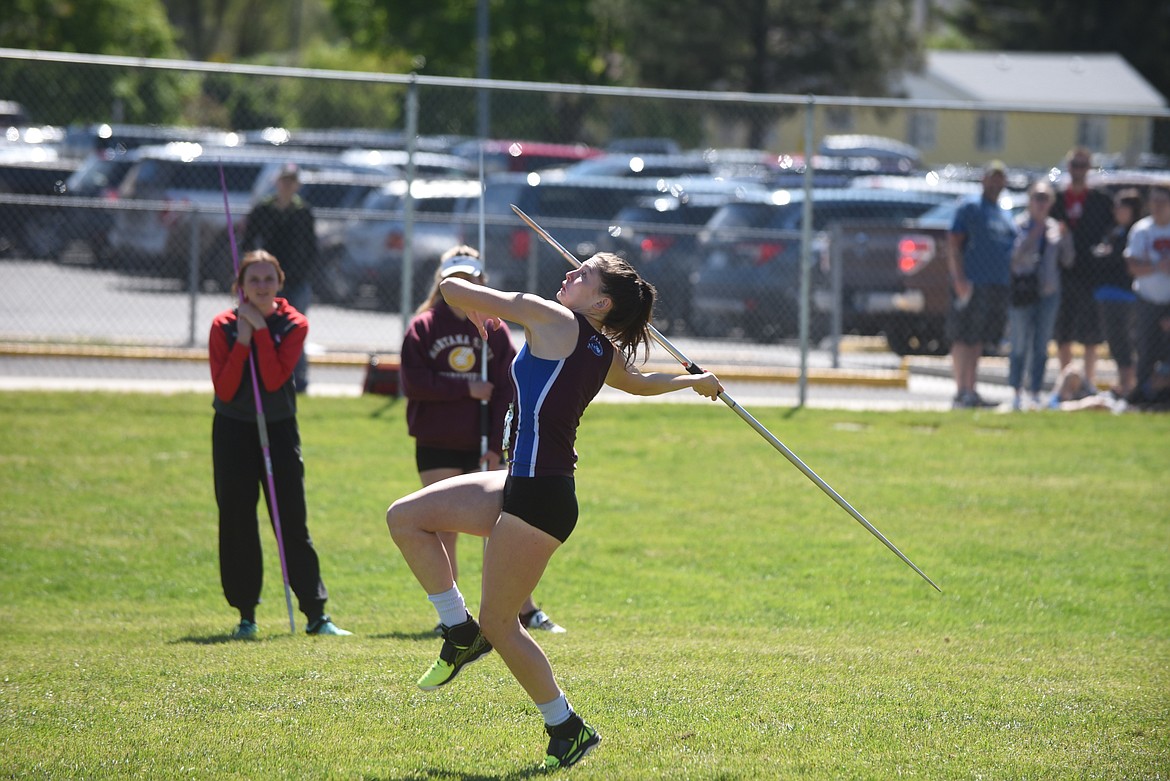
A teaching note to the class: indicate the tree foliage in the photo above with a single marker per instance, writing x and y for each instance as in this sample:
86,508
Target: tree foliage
831,47
828,47
531,40
60,93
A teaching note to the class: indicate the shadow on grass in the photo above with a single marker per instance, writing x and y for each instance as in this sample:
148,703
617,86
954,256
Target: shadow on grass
425,634
216,639
391,403
455,775
225,637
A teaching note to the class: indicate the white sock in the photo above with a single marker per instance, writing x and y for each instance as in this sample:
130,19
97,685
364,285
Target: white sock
557,711
450,606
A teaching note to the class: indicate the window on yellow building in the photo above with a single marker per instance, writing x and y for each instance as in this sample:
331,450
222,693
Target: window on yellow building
989,132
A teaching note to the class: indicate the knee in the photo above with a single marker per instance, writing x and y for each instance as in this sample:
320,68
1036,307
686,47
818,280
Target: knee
497,626
397,520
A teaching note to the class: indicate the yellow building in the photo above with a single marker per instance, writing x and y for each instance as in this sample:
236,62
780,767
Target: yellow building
1112,109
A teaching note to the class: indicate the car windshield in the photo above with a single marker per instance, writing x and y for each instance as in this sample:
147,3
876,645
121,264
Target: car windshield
175,175
329,195
746,215
97,175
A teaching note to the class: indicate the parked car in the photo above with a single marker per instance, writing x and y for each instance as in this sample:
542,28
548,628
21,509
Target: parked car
749,276
87,222
370,267
82,141
895,278
522,156
334,196
336,140
30,229
658,234
575,211
180,219
628,164
427,165
878,154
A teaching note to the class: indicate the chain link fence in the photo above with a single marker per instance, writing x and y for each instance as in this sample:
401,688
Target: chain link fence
768,222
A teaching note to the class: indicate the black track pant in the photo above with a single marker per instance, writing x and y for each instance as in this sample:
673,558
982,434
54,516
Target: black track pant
239,477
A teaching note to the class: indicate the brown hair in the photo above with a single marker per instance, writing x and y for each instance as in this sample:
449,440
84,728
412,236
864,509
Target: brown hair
251,259
632,299
434,296
1132,198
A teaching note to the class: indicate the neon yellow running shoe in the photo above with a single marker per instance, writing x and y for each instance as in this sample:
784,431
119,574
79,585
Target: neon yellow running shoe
462,645
569,743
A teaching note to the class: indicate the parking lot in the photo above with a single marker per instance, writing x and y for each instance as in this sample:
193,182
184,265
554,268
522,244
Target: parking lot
159,319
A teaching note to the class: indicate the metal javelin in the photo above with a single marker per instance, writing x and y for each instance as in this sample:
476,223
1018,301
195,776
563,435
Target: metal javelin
693,368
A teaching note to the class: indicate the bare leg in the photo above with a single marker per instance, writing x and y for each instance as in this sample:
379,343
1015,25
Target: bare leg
1091,366
469,504
430,477
1064,353
964,360
514,561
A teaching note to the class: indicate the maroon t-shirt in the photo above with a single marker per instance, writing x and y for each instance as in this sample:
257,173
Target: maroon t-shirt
441,353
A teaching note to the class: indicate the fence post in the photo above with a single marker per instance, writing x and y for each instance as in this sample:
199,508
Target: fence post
836,284
532,267
193,279
806,246
406,293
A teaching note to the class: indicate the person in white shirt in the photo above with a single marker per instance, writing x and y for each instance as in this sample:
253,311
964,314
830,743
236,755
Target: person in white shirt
1148,256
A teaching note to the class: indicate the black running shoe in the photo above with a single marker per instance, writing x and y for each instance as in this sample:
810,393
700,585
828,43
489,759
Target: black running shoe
569,743
462,645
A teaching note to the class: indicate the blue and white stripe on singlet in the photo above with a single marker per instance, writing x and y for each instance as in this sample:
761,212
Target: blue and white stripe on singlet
540,375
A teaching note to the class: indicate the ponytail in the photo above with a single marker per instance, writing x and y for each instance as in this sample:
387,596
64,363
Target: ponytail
628,320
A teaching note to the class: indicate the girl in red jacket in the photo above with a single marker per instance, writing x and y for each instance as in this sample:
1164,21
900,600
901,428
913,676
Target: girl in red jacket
275,332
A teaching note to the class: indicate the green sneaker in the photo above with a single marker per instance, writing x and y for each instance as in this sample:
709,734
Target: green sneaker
462,645
247,630
325,626
569,743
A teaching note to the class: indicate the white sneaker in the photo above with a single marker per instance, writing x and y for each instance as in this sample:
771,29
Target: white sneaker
540,620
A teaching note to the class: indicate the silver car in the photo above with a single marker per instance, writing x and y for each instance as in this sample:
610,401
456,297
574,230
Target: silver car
371,267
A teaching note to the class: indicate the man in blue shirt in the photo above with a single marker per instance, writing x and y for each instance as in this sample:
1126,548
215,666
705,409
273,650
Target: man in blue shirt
979,260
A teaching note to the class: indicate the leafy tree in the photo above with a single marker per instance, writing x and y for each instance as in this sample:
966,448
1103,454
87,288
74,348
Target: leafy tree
61,94
239,30
530,40
828,47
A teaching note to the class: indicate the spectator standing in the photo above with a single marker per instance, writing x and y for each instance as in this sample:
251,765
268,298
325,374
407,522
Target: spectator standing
1148,255
979,251
1114,294
441,379
275,331
1088,213
1042,248
283,224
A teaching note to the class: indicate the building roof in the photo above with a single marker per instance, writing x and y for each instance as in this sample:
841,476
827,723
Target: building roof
1089,80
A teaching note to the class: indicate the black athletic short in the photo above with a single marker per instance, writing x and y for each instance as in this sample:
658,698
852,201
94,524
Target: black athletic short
426,458
548,503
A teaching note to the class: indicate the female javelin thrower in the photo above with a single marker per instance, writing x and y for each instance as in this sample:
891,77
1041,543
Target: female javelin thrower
588,337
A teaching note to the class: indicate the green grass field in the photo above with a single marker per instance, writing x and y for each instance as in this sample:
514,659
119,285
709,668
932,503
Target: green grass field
726,619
